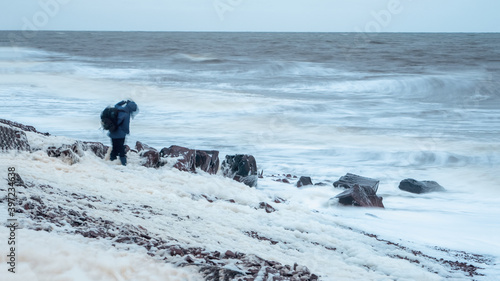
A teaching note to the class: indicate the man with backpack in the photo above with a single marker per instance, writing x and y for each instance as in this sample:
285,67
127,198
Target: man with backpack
117,120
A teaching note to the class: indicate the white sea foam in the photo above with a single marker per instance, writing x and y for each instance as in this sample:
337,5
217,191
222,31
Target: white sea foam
304,225
49,256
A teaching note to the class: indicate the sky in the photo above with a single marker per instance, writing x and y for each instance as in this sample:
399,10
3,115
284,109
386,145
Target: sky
253,15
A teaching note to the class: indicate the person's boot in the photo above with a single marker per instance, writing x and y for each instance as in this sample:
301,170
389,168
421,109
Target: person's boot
123,160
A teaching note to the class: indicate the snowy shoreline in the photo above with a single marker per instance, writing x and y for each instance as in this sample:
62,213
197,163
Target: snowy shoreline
193,227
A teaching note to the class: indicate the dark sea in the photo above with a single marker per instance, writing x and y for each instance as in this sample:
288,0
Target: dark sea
299,102
388,106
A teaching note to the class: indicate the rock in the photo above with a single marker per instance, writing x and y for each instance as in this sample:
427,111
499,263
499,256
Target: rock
139,146
419,187
68,153
259,237
128,149
283,180
97,148
177,251
186,158
303,181
208,161
213,273
279,200
190,159
230,254
13,139
363,196
22,127
17,180
151,158
242,168
361,191
267,207
349,180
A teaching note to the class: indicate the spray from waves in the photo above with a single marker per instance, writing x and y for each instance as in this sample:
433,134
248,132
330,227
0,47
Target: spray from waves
280,79
296,69
464,89
428,159
295,77
198,58
459,90
24,53
32,61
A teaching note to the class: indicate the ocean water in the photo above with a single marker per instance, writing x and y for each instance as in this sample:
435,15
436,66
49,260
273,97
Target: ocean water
299,102
386,106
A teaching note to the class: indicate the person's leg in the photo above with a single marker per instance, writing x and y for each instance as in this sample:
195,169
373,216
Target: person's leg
115,149
121,151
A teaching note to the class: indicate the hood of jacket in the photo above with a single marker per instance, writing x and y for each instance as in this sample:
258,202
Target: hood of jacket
129,107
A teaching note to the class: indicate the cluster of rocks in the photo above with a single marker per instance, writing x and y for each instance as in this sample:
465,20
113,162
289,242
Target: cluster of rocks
13,137
47,214
242,168
185,159
71,153
361,191
302,181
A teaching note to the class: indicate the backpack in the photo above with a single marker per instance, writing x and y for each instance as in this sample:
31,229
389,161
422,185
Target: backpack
109,118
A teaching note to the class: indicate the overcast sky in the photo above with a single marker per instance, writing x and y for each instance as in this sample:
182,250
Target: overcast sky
253,15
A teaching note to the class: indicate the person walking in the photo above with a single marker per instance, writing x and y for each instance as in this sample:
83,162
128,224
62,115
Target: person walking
126,109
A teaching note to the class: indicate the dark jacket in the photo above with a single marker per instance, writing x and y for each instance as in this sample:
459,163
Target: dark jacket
126,108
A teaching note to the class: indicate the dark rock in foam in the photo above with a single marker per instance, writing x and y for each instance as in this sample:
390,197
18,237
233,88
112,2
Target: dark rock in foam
97,148
22,127
349,180
361,191
208,161
190,159
150,156
303,181
13,139
363,196
242,168
418,187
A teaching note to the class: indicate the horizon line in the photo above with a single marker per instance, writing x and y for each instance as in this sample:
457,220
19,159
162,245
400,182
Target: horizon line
220,31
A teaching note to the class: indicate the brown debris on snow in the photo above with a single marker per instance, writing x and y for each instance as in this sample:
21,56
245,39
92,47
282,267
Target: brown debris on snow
45,214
